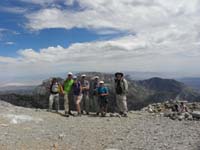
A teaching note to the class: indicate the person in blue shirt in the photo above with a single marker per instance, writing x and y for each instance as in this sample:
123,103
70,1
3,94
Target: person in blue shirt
103,101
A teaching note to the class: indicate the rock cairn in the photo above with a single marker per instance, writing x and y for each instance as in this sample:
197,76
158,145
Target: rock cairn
176,110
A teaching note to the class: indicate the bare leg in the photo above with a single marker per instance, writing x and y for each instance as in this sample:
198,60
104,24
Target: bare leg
78,106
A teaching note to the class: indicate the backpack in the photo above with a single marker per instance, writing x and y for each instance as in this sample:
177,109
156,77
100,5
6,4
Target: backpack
119,88
53,91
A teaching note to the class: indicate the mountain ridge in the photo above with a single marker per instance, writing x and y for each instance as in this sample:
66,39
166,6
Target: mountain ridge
141,93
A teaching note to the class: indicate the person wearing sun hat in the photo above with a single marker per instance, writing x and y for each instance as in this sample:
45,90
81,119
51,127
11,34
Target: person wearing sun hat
85,103
121,90
55,89
95,85
103,101
77,94
67,89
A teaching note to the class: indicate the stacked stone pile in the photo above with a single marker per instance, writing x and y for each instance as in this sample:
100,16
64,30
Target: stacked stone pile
176,110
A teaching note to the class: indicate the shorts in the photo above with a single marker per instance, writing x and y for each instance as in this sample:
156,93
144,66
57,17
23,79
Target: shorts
78,98
103,101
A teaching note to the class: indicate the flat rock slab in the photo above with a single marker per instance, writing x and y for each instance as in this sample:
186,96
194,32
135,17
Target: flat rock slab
196,114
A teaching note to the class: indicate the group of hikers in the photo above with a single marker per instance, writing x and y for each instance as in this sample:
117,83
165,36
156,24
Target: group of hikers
80,91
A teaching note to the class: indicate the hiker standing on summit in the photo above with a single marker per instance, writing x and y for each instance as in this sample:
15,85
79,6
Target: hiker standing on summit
85,104
77,93
103,100
67,89
55,88
95,104
121,90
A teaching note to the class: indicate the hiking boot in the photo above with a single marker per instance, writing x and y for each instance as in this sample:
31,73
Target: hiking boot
87,113
121,113
82,112
66,114
49,110
124,115
79,115
70,113
103,114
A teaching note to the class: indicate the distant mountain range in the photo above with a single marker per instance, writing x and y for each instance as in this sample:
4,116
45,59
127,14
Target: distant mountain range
165,89
23,90
191,82
141,92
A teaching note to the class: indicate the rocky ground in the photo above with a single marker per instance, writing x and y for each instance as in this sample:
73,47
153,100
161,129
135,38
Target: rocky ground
23,128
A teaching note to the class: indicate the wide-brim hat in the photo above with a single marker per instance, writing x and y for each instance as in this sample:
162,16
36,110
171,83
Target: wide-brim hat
70,73
101,82
83,75
96,77
74,77
119,73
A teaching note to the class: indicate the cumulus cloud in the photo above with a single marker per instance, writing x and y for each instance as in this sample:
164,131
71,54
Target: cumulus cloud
10,43
131,15
126,53
49,3
7,60
15,10
160,36
40,2
165,25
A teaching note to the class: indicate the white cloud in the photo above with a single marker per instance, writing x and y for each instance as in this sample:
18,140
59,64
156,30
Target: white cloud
126,53
49,3
160,36
69,2
131,15
40,2
15,10
4,31
7,59
10,43
160,22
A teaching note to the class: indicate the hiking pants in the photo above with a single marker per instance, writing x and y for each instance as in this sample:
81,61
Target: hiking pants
95,104
122,103
54,98
66,102
85,103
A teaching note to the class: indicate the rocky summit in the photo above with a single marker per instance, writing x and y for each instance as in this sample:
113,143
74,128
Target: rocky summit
37,129
153,123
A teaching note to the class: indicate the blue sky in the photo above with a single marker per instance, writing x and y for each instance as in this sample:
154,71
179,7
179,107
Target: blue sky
40,38
16,36
44,38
